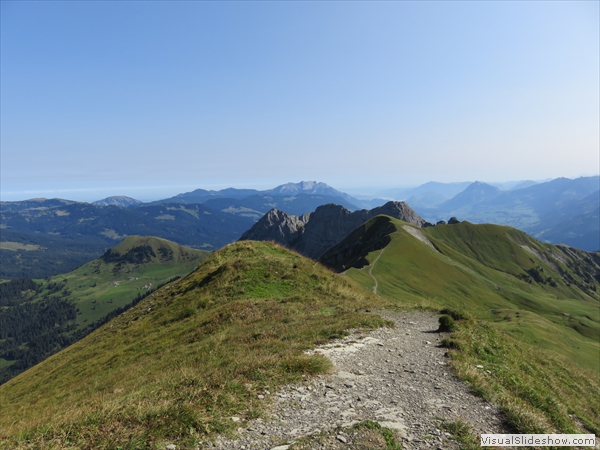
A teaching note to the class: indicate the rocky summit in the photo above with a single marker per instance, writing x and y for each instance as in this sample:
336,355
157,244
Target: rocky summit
313,234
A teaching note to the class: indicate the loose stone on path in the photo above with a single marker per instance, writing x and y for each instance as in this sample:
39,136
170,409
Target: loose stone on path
400,380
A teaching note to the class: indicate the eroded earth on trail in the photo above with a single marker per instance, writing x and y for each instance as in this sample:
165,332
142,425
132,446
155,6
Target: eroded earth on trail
397,377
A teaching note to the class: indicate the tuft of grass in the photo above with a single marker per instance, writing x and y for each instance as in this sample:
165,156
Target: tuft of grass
386,433
447,324
461,432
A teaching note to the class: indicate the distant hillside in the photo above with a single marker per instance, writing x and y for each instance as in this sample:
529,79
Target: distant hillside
574,223
475,193
256,206
37,236
428,195
293,198
40,317
313,234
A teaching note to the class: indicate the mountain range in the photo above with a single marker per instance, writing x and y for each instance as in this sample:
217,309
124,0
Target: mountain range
41,237
558,211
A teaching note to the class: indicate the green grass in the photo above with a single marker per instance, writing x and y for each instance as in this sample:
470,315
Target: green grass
97,288
461,432
540,392
476,271
181,362
540,343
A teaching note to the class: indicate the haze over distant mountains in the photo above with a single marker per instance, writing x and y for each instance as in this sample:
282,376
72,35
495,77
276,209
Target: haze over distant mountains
41,237
559,211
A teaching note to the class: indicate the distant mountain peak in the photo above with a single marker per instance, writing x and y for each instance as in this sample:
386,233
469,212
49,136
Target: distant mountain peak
305,187
118,200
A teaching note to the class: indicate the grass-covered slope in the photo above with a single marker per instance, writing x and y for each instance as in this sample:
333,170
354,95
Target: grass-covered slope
184,360
533,308
546,295
39,317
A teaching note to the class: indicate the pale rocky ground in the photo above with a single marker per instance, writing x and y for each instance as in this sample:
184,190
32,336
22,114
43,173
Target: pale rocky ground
398,377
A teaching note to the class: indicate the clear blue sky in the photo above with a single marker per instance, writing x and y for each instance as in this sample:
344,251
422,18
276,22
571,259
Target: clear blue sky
149,99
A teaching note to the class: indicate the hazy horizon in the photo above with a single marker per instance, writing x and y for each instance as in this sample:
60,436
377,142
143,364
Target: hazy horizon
151,99
154,193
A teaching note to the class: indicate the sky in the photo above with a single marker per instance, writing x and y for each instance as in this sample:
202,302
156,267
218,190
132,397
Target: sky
150,99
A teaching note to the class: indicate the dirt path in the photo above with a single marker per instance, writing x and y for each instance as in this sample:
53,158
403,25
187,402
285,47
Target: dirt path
371,271
398,377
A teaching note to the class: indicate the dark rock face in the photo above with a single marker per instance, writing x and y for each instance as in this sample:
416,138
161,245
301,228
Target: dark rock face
277,226
453,220
313,234
352,250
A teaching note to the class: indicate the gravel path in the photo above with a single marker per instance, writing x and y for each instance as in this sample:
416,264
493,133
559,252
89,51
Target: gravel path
398,377
372,266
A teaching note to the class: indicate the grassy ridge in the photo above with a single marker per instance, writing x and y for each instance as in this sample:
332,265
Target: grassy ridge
482,269
539,391
183,361
538,344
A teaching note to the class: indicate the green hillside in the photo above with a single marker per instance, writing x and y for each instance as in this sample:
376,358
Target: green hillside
42,316
546,295
177,366
532,308
185,359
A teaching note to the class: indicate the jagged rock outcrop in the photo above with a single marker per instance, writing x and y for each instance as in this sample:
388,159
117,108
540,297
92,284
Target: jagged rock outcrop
313,234
277,226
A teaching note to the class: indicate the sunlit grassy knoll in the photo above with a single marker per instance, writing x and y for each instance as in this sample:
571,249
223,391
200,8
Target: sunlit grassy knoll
99,287
178,365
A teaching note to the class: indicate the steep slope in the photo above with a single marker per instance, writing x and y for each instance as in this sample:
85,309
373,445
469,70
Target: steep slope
313,234
184,360
39,317
535,291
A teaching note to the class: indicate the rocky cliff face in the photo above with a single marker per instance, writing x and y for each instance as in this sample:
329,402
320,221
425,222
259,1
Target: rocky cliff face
313,234
277,226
